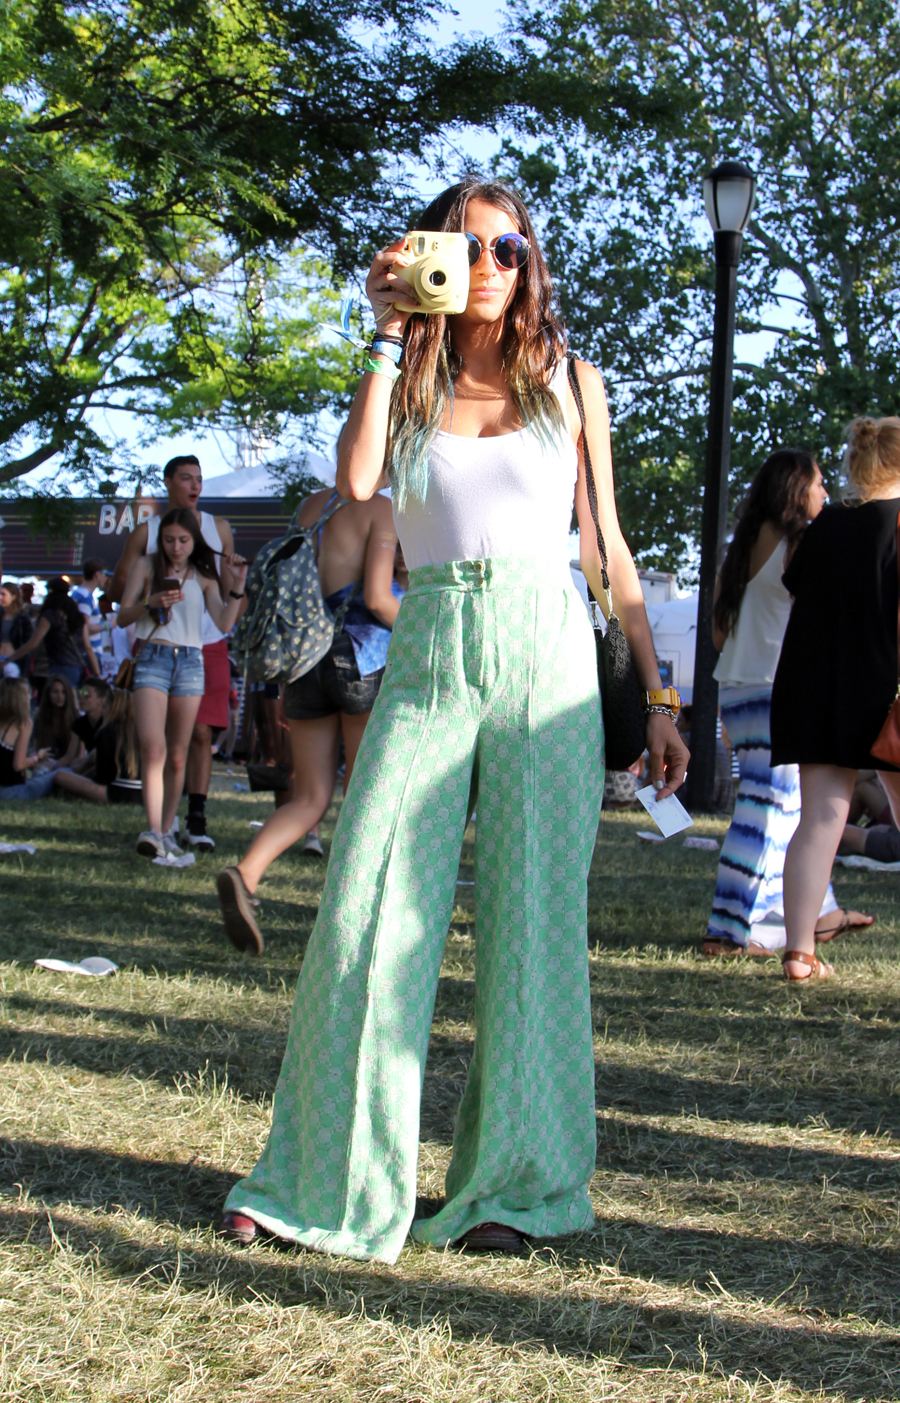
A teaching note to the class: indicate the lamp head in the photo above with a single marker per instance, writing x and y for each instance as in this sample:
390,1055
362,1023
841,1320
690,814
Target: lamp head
729,193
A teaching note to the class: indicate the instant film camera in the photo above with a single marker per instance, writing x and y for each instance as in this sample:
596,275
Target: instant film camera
439,273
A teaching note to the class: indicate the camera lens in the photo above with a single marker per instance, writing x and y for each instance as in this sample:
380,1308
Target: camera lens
437,278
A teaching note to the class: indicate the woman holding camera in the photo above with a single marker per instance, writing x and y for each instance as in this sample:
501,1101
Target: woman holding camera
489,696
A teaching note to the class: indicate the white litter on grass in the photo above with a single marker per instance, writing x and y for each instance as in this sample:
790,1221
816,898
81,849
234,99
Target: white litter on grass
705,845
94,965
867,863
646,837
170,860
18,848
257,823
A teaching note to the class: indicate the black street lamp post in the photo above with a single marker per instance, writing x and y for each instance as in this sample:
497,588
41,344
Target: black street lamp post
728,192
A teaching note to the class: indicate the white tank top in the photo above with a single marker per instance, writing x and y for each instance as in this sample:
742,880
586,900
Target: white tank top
752,649
492,497
185,626
210,533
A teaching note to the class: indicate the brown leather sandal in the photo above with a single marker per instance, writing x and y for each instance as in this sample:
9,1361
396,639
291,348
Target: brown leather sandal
845,923
817,968
491,1237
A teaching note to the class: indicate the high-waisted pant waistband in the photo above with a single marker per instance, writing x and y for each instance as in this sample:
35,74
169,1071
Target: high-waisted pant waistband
497,573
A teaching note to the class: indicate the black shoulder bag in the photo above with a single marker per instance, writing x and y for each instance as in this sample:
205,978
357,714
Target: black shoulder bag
624,722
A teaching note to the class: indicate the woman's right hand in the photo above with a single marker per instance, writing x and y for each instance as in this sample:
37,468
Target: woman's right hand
384,287
164,599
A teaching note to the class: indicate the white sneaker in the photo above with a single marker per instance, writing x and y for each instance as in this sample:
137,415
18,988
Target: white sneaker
169,843
313,846
151,844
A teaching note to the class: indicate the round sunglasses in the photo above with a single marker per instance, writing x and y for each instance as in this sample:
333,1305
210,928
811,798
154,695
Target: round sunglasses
509,251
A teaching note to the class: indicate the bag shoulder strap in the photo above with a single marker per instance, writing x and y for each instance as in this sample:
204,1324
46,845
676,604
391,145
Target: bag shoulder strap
591,486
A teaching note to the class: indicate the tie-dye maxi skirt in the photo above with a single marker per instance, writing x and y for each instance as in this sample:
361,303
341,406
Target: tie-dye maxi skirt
749,902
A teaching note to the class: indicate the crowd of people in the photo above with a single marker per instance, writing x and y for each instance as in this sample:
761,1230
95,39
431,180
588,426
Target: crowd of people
488,436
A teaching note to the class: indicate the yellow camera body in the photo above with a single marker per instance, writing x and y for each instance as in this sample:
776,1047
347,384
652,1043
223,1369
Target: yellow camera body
439,272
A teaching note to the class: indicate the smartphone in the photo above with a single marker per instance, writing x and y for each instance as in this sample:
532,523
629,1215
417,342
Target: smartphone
170,584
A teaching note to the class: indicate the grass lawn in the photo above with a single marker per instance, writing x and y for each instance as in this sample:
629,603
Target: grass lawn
747,1238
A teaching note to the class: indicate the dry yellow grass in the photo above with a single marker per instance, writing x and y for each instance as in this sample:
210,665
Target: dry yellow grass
747,1243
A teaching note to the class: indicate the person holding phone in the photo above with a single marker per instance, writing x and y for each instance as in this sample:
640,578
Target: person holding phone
166,596
489,695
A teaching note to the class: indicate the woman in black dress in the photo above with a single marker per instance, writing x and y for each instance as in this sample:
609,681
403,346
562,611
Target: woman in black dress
837,675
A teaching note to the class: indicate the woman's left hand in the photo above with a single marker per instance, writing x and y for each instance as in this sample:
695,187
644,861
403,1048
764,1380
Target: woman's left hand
238,567
668,753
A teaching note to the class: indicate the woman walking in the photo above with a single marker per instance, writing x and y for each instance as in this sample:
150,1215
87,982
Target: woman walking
837,675
333,701
165,596
749,619
489,696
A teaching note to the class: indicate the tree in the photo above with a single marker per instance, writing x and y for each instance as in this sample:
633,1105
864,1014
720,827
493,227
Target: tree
180,181
808,93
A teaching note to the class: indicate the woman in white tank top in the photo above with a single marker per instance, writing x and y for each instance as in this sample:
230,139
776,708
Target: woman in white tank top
166,597
749,621
490,698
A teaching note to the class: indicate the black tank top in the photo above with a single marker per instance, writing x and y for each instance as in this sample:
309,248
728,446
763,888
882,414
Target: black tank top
8,775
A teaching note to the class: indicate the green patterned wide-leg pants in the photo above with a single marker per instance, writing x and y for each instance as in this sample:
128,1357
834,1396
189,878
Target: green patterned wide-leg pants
490,692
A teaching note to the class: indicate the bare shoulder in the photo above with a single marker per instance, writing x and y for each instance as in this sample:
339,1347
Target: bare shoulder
137,541
223,526
313,506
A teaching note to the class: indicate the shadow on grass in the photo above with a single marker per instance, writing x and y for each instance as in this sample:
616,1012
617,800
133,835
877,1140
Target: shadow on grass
649,1092
713,1338
171,1048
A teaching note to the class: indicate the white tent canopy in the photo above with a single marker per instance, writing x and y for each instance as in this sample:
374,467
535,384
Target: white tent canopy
259,482
674,628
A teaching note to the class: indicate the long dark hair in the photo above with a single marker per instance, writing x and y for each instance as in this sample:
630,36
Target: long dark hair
201,556
58,597
120,722
53,726
533,343
778,494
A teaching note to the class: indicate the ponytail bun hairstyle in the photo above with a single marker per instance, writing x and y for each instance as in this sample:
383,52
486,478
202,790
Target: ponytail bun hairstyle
873,454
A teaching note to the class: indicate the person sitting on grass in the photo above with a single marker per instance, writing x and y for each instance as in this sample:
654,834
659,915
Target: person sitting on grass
54,727
93,695
111,773
16,756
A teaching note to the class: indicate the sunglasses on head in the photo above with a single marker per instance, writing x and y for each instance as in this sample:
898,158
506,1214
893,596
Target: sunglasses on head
509,251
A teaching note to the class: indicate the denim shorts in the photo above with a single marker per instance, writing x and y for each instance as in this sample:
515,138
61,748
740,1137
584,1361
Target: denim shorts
333,685
176,671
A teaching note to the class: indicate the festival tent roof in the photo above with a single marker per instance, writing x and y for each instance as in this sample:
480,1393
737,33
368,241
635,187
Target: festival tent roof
259,482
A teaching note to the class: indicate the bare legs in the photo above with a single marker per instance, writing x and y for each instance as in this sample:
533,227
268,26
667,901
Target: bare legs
164,726
314,748
826,792
82,786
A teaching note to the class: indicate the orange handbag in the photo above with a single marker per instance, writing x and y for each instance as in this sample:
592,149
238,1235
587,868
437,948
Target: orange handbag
887,746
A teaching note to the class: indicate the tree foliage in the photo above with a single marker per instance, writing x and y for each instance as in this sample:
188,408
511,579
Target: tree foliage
808,93
179,182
